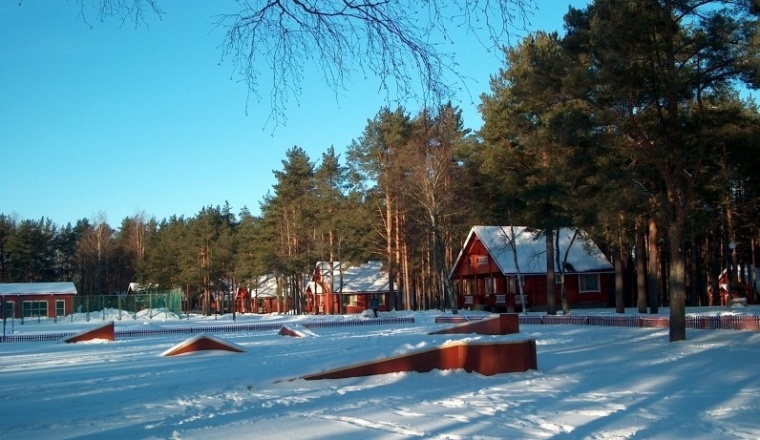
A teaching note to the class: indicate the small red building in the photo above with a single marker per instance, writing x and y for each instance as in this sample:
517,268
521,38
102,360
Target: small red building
333,285
321,291
260,295
484,275
741,288
37,300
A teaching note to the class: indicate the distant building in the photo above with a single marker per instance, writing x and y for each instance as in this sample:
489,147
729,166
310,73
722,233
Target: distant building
333,283
135,288
260,296
742,290
484,275
32,300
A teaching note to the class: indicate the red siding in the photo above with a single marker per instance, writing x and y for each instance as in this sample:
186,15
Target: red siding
470,265
476,268
50,299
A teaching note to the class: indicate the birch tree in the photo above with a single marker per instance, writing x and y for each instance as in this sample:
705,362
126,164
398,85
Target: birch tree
512,240
432,183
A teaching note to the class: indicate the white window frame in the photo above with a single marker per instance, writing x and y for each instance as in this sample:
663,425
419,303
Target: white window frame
490,284
36,308
558,277
10,307
583,285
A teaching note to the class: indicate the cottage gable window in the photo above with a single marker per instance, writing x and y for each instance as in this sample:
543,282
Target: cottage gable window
482,260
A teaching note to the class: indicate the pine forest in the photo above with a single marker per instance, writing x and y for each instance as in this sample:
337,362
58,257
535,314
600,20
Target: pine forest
640,132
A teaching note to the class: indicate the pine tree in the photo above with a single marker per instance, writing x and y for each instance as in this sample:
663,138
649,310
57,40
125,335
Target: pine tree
375,158
651,64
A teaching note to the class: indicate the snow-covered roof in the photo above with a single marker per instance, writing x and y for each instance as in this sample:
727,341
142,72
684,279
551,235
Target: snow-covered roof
367,278
264,286
325,273
584,254
59,288
315,287
138,287
325,268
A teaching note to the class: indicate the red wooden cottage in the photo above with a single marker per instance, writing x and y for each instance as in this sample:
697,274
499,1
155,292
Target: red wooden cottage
321,291
37,300
260,296
484,275
332,284
741,289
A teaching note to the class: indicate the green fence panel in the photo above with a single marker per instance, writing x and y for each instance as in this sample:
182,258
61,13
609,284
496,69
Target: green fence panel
134,303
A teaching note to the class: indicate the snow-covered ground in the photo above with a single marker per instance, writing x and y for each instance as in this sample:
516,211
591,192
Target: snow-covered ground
592,383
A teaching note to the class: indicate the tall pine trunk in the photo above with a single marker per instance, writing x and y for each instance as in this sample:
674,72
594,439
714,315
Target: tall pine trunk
406,271
653,253
677,287
399,262
551,303
620,259
641,268
561,265
619,284
389,247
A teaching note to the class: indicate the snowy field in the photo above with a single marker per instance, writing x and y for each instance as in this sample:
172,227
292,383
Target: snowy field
592,383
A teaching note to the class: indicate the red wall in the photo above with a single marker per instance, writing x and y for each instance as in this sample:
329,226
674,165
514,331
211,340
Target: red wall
17,300
469,270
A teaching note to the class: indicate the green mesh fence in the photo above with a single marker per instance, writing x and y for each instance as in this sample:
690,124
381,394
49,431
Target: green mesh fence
129,303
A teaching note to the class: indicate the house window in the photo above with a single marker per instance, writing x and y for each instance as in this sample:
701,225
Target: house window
519,299
490,285
60,307
353,300
468,300
34,309
9,308
511,285
558,277
482,260
588,283
501,299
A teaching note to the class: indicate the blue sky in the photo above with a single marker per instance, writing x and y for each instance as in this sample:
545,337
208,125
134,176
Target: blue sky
112,120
